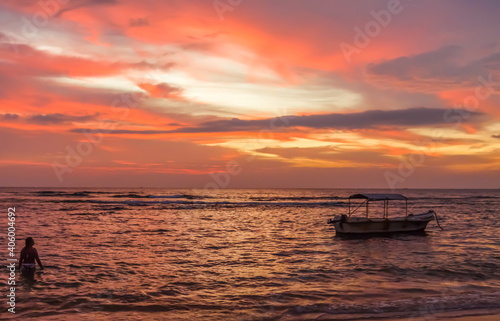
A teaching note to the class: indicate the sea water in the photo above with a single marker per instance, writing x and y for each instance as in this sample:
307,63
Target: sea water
165,254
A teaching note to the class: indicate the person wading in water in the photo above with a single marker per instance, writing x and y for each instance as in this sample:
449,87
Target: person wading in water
29,254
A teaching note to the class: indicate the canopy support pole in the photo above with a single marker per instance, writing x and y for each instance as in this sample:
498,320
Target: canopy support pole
350,213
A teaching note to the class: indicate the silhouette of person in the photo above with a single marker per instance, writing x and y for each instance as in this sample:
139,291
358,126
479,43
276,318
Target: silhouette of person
29,254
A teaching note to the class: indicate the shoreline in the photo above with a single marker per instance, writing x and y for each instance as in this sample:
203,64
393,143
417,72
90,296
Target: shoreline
461,315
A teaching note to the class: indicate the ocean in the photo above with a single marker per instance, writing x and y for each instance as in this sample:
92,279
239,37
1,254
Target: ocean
254,254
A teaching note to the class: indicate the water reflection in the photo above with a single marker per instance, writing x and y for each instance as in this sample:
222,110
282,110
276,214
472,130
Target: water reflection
221,262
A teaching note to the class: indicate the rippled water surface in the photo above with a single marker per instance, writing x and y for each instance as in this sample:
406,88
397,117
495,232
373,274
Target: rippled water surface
132,254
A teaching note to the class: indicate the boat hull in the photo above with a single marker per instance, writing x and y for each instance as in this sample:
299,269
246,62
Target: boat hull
410,224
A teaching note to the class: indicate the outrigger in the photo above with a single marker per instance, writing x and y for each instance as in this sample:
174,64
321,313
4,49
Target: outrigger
345,224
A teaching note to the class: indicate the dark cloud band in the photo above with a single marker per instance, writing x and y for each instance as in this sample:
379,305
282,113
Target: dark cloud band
402,118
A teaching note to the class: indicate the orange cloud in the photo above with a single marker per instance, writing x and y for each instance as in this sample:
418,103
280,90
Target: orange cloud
162,90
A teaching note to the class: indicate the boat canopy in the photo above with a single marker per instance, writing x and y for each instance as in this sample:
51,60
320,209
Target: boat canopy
378,197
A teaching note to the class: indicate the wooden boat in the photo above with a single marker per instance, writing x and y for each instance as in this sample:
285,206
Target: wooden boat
345,224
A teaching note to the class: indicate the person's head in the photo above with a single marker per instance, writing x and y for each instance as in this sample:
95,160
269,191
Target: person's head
30,242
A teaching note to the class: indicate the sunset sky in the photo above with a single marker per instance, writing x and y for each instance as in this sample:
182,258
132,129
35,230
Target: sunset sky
250,93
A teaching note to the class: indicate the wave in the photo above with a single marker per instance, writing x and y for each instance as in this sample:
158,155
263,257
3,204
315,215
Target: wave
440,198
297,198
402,308
197,204
275,306
115,195
129,195
65,194
260,199
187,196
